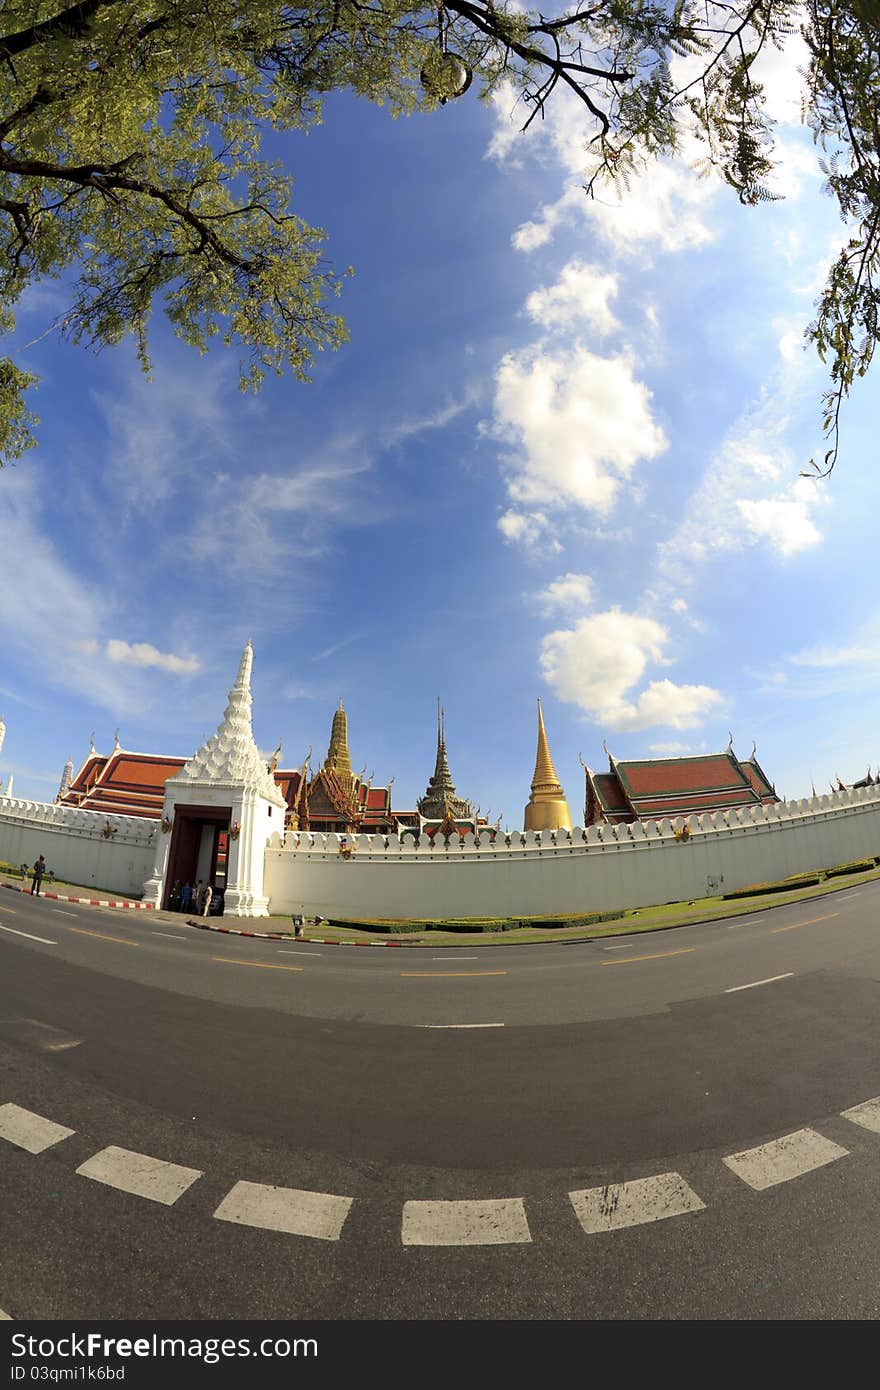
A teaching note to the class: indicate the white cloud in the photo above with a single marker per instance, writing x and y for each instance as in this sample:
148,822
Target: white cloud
784,520
527,528
829,658
679,605
162,429
669,750
570,591
730,509
434,420
144,654
597,663
580,295
664,204
578,423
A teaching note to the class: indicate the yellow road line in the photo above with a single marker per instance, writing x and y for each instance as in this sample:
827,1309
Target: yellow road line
447,974
627,960
258,964
812,922
123,940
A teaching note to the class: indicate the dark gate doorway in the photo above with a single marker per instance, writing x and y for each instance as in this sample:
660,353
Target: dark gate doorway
199,850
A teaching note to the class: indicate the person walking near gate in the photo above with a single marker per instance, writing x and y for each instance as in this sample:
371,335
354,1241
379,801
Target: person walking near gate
205,901
39,870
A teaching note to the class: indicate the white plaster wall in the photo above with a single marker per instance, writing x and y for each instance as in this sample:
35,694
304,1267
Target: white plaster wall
73,844
597,870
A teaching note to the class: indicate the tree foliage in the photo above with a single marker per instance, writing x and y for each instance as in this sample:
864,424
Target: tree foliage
131,136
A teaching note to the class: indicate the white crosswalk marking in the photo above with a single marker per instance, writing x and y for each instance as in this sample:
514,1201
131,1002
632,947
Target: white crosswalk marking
317,1214
139,1174
784,1159
867,1115
633,1203
29,1131
500,1221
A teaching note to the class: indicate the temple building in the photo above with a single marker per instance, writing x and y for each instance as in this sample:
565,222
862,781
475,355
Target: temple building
547,807
334,799
651,789
440,811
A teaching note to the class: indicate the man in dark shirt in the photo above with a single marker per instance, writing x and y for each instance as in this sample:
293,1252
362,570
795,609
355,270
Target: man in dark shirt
39,870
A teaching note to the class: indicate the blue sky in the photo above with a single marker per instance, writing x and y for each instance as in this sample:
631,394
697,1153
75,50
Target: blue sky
558,458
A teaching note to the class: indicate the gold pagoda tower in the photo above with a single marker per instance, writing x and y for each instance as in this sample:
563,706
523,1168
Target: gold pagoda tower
547,807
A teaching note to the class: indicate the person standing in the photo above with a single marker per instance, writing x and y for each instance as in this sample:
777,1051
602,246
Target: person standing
207,895
39,870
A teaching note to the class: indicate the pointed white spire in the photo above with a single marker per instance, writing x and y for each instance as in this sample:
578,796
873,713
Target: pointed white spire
2,730
66,778
231,755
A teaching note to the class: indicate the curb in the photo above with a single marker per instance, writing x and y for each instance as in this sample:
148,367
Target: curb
278,936
88,902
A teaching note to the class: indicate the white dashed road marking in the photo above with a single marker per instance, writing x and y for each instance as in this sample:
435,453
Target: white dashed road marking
139,1174
497,1222
43,939
459,1025
867,1115
29,1131
633,1203
63,912
169,936
754,985
784,1159
317,1214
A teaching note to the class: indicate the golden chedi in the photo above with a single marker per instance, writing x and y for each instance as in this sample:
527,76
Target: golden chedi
547,807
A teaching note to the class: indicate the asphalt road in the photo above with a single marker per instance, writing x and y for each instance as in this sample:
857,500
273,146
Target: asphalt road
508,1075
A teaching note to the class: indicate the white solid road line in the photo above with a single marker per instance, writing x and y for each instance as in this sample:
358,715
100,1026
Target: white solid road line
302,953
754,985
63,912
45,940
28,1131
497,1222
459,1025
455,958
169,936
320,1215
633,1203
784,1159
867,1115
139,1174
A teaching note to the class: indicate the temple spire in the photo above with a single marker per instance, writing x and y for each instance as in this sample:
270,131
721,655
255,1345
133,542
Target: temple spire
66,779
440,798
547,807
338,759
231,755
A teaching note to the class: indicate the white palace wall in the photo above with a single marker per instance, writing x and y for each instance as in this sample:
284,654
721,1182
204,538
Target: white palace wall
75,846
597,870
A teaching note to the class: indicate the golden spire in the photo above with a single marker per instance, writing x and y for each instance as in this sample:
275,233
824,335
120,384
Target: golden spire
338,759
547,808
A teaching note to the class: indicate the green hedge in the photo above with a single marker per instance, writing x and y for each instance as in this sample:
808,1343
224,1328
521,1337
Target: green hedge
858,866
472,926
756,890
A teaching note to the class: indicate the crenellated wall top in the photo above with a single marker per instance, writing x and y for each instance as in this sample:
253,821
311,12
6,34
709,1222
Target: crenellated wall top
49,815
603,838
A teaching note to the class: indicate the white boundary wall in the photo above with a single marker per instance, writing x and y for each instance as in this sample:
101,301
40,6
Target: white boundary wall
594,870
578,871
75,846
